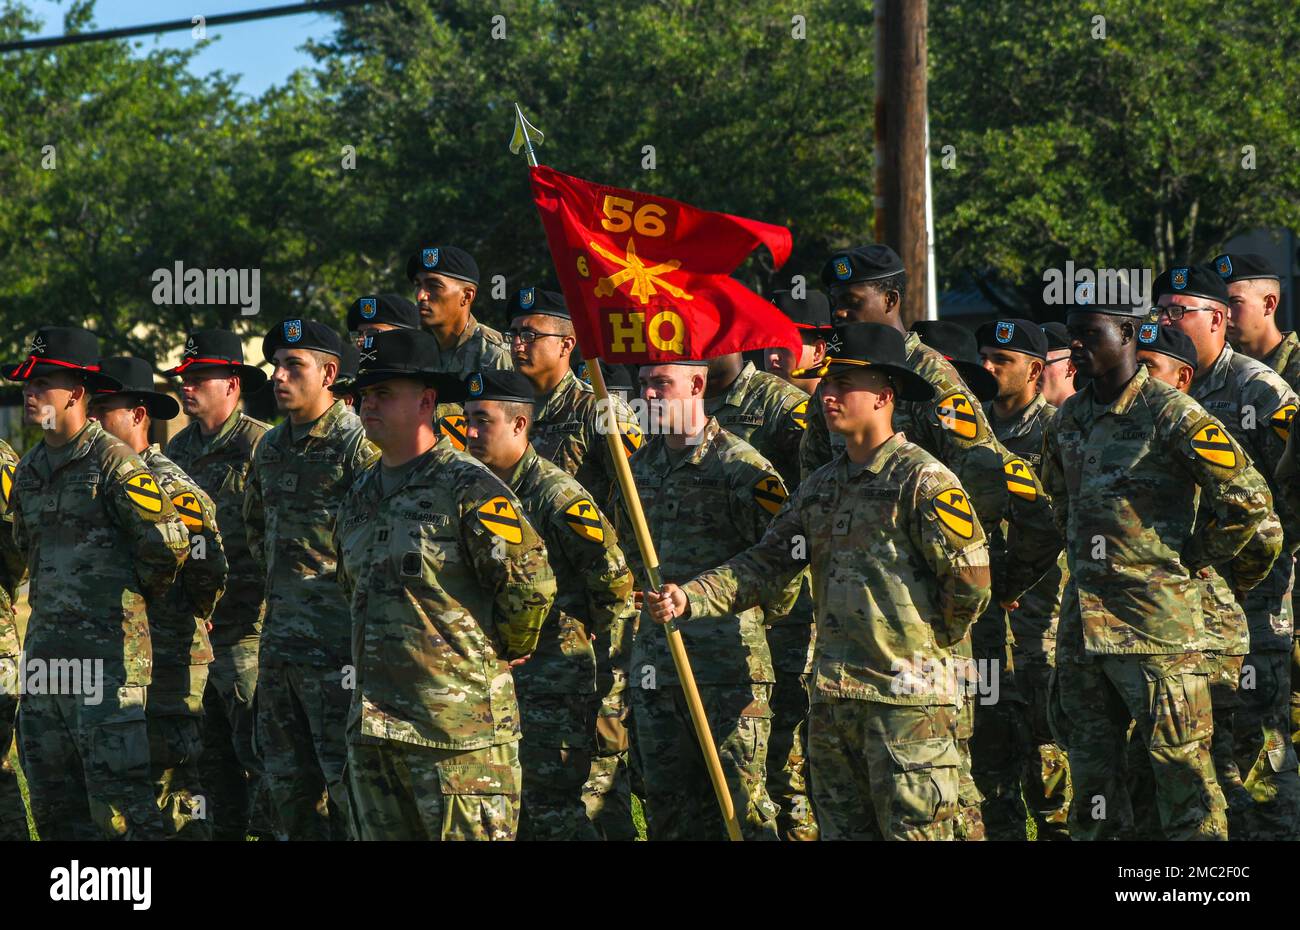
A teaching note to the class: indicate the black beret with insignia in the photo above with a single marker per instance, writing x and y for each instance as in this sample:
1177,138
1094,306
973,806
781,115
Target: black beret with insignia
1244,266
864,263
1013,335
1152,337
445,260
301,334
500,384
529,300
1194,281
392,309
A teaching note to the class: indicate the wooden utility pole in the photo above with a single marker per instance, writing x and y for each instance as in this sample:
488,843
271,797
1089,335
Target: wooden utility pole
900,150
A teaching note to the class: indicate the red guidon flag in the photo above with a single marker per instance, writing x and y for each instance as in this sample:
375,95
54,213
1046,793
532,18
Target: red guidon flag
647,279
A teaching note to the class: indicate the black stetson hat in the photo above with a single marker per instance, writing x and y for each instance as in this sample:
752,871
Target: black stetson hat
62,348
873,345
957,345
301,334
405,353
217,349
392,309
500,384
135,379
443,259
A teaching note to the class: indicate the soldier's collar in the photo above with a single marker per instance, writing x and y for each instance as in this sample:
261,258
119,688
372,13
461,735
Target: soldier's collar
567,383
1216,375
1122,404
75,447
522,467
876,463
327,420
736,390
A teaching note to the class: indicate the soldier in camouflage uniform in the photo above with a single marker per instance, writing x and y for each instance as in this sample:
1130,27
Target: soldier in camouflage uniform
866,284
1254,291
448,581
301,469
1256,406
178,622
1015,353
891,536
216,451
556,687
99,538
13,814
446,283
1124,459
568,429
706,495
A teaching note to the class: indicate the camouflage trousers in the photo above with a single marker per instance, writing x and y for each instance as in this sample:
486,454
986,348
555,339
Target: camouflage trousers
886,771
997,748
1295,694
1045,769
787,783
680,803
607,793
401,791
301,738
555,757
175,746
13,813
1167,698
87,765
969,823
239,799
1264,750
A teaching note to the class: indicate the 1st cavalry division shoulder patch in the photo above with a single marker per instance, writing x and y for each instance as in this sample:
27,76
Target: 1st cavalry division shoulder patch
957,415
7,482
1020,480
1211,444
953,510
770,493
187,507
501,520
143,492
1281,421
584,519
453,428
632,439
800,415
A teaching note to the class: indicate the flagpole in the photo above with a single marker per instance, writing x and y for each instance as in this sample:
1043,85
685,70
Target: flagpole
523,137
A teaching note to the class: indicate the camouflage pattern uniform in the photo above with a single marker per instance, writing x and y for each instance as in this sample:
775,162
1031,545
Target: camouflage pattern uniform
99,538
893,539
446,580
566,430
1125,478
182,652
478,347
953,428
230,768
771,415
557,689
13,814
1285,360
1256,406
295,484
703,505
1034,763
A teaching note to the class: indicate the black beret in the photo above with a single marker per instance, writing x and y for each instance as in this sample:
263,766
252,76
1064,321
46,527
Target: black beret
301,334
1085,301
1244,266
810,314
443,259
393,309
1058,337
503,384
1194,281
957,344
1014,335
864,263
1152,337
530,300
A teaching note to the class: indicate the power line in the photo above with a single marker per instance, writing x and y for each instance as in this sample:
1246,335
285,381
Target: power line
175,25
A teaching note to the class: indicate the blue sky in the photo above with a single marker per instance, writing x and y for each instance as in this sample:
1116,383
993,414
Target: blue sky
264,52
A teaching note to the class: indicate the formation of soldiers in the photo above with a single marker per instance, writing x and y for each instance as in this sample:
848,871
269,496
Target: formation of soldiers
932,584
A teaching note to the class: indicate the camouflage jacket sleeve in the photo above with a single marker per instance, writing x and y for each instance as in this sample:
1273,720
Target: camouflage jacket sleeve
158,539
1288,486
512,566
960,563
763,572
757,494
13,558
1264,546
205,570
254,514
1231,489
815,443
1033,540
1053,478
